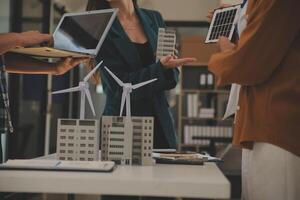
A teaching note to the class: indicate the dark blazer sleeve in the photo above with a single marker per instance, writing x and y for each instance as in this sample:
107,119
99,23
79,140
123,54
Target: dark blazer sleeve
166,79
272,27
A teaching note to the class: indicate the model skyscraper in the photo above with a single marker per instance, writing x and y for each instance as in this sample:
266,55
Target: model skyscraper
166,43
78,139
127,140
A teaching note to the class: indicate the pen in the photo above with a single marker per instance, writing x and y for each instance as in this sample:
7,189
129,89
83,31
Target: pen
57,164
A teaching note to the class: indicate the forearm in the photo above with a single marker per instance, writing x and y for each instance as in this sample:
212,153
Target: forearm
9,41
27,65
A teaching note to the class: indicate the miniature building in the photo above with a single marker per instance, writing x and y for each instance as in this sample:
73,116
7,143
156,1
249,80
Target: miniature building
78,139
127,140
166,43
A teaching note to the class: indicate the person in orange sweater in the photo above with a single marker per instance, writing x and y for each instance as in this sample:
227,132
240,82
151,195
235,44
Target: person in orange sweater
266,62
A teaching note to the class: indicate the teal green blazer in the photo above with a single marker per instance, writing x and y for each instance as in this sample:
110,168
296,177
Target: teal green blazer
122,58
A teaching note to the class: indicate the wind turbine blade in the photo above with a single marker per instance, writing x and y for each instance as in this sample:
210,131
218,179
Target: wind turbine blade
143,83
124,94
115,77
74,89
90,74
88,95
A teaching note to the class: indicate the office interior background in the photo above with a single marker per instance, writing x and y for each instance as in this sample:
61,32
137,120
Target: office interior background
196,107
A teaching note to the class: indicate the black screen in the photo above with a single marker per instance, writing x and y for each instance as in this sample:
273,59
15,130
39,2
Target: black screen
80,33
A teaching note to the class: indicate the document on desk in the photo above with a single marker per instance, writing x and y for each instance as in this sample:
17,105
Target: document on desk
59,165
184,158
232,101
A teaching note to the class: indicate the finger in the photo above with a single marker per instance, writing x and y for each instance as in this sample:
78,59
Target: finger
223,40
68,59
51,41
78,61
31,32
210,15
182,61
168,58
176,52
47,38
185,60
225,5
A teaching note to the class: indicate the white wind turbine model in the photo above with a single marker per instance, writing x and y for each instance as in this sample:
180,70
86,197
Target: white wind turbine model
83,88
127,89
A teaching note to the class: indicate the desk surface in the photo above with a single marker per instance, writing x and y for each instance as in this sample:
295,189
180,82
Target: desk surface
160,180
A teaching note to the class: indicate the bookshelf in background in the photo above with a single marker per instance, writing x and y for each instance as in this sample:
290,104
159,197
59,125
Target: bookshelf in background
201,104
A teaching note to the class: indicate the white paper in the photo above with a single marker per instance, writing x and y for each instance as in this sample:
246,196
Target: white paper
233,100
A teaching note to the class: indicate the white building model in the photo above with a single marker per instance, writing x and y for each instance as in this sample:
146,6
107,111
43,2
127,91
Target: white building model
78,139
127,140
166,43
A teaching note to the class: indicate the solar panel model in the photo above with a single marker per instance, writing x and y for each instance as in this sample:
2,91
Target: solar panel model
223,23
166,43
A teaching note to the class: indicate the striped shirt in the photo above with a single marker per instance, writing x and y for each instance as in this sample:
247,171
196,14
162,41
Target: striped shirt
5,119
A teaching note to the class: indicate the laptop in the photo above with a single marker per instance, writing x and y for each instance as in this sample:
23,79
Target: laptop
76,35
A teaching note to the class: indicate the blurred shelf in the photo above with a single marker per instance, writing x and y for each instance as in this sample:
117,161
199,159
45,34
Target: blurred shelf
199,119
205,91
214,139
193,145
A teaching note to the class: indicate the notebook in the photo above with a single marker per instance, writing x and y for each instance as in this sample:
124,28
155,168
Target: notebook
58,165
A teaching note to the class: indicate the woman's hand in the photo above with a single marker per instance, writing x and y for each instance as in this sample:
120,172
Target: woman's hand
68,64
225,44
32,38
171,61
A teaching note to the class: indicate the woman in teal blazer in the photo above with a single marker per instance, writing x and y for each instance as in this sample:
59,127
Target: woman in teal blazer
129,52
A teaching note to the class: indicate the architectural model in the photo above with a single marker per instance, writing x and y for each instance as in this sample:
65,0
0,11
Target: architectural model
166,43
78,139
127,140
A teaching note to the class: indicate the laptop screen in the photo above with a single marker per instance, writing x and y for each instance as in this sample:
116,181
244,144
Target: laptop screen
82,32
